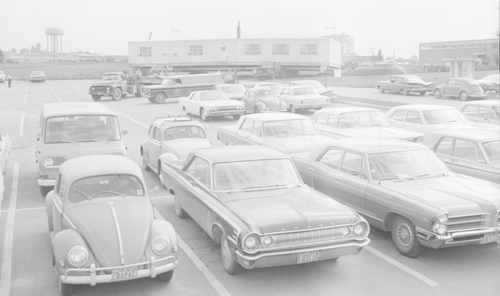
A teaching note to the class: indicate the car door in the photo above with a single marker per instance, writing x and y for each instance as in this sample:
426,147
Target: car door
468,159
192,106
444,150
285,96
486,114
154,148
57,204
242,134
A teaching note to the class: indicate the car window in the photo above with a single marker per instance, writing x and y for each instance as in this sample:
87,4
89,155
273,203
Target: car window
180,132
321,119
81,128
332,158
61,184
470,110
352,165
466,149
199,170
250,95
413,117
157,134
444,146
451,82
332,120
496,109
257,129
485,112
151,131
195,97
88,189
492,150
398,115
247,125
285,91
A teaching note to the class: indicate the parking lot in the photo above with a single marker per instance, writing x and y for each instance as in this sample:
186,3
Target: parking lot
25,248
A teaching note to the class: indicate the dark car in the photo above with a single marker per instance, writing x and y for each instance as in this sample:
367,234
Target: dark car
405,84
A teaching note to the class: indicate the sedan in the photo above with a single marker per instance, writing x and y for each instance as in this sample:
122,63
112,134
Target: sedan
252,202
303,98
490,83
404,188
317,85
463,88
405,84
211,103
103,225
486,111
37,76
473,152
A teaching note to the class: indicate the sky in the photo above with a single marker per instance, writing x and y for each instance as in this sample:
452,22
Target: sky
396,27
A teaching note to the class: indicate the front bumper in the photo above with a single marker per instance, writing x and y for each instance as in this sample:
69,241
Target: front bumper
311,106
462,238
290,257
95,275
226,113
478,96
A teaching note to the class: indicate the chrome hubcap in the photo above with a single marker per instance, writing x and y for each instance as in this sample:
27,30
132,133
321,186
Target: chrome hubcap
404,235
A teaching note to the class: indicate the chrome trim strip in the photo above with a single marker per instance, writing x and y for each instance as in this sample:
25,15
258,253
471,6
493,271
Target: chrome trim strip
119,234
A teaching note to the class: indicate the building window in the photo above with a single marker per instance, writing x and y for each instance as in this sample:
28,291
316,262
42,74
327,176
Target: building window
253,49
195,50
169,51
281,49
145,52
308,49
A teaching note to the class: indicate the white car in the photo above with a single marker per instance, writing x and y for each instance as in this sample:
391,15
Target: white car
430,118
274,86
487,111
317,85
233,91
303,97
2,77
211,103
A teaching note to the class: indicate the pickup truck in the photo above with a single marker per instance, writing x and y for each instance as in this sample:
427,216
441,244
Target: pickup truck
118,85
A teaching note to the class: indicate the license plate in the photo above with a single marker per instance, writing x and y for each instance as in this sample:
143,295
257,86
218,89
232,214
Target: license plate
124,274
99,93
489,238
307,257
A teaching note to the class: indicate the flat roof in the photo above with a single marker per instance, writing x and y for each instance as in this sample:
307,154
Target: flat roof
462,41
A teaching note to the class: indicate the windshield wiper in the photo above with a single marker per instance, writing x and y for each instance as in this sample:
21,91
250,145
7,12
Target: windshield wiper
83,193
114,192
429,175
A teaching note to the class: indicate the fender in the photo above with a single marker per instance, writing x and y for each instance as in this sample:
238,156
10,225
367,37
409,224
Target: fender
62,243
162,227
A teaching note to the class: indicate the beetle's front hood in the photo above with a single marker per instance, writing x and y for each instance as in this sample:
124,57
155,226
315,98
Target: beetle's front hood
105,83
457,194
95,221
287,209
375,132
298,144
181,147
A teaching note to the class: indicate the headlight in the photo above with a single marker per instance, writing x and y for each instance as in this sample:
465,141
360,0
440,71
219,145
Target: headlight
361,229
160,245
345,231
92,88
438,224
267,241
251,242
213,109
419,139
78,256
48,162
107,88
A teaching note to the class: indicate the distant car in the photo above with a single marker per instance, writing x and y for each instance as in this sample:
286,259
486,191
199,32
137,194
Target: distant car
317,85
404,188
252,202
359,122
276,87
211,103
5,147
366,64
37,76
285,132
2,77
473,152
430,118
262,99
104,227
303,98
176,135
490,83
405,84
463,88
233,91
487,111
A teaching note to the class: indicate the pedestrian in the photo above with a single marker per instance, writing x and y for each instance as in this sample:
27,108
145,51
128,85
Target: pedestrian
9,79
235,75
254,73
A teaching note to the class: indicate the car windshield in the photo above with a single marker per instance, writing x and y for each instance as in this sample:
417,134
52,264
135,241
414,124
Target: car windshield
255,174
105,186
37,73
179,132
213,96
362,119
264,93
277,88
288,128
405,164
233,88
442,116
305,91
81,128
111,77
414,79
492,150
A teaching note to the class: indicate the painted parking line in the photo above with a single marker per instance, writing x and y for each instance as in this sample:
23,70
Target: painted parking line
58,98
165,111
130,118
402,266
6,274
21,126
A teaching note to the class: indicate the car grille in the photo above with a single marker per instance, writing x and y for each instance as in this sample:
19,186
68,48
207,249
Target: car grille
100,88
462,223
310,236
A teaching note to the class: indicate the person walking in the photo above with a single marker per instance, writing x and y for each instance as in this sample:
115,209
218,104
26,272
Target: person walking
9,79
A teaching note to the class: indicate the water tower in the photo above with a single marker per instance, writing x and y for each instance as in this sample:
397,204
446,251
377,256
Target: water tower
54,40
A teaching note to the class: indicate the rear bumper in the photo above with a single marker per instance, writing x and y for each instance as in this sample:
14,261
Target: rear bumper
311,106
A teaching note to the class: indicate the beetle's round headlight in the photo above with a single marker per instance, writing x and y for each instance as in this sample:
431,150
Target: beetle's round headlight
360,229
267,241
160,245
345,231
48,162
78,256
251,242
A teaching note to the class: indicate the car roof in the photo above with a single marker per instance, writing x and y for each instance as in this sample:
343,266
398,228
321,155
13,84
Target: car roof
95,165
174,120
119,73
343,110
259,88
483,102
238,153
75,109
477,135
373,145
421,107
275,116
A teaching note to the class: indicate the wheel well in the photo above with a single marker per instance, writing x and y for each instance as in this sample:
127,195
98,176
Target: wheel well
389,219
171,191
142,151
217,233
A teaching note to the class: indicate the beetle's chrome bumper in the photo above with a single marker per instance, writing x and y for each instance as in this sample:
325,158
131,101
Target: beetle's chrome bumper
289,257
461,238
96,275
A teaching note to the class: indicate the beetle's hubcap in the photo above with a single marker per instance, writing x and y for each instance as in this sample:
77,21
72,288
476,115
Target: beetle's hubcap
404,235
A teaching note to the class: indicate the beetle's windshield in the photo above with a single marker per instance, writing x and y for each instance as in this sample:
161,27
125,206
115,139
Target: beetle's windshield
405,164
105,186
492,150
255,174
81,128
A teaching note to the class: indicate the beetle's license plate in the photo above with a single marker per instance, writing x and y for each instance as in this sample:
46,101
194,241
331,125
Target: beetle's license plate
307,257
124,274
489,238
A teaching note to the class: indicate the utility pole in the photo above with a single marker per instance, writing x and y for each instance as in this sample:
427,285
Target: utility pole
372,50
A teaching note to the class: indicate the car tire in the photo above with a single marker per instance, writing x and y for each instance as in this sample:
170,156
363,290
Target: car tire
178,209
160,98
293,109
381,90
145,162
117,94
151,100
44,190
166,277
228,261
463,96
437,94
202,115
96,98
65,289
404,92
159,168
422,93
405,237
236,117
